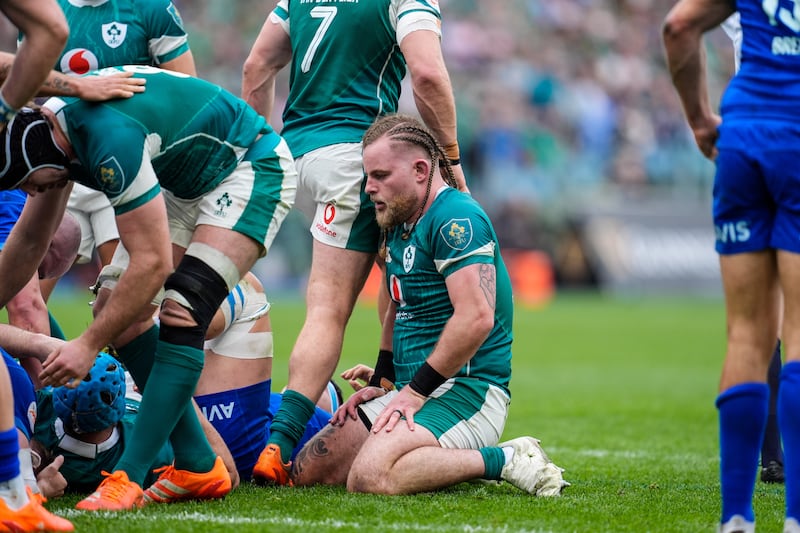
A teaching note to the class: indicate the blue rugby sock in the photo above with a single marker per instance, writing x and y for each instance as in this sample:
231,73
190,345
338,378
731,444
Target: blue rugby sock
789,422
742,417
9,454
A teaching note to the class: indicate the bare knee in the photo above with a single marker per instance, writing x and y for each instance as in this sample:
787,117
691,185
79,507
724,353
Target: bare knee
371,482
371,477
174,314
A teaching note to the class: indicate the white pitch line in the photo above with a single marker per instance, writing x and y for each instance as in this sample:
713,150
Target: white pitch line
280,521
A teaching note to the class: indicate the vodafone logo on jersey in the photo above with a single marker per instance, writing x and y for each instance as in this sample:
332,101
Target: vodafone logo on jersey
78,61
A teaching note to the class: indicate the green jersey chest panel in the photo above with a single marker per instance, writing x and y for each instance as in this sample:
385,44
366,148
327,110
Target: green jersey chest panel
120,32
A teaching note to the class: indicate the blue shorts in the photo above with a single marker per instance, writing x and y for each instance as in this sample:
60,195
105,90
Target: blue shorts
757,186
24,395
11,204
242,418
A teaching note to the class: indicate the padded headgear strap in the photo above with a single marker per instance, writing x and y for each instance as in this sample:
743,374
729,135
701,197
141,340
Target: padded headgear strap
28,145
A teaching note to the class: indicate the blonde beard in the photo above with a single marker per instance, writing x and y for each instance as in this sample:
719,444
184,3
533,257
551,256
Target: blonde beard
398,211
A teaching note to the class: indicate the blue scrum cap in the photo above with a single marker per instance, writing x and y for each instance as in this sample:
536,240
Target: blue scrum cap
97,402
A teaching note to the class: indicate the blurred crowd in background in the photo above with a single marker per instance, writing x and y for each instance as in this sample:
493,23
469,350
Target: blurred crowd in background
561,104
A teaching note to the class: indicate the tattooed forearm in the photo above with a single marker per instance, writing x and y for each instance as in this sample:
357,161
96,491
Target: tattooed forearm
58,85
488,280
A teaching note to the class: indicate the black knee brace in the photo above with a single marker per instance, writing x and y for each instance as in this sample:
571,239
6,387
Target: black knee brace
201,290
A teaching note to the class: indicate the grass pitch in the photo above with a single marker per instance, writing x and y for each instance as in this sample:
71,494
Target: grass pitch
621,393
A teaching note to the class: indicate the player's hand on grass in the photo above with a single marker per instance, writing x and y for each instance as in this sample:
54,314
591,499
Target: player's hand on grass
50,481
101,88
68,364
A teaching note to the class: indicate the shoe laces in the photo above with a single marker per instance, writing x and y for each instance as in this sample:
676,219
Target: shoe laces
114,486
167,471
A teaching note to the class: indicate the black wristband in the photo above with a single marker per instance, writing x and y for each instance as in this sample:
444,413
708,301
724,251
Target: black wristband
453,162
426,380
384,368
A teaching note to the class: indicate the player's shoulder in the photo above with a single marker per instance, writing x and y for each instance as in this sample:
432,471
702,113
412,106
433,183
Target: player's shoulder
157,12
455,212
450,200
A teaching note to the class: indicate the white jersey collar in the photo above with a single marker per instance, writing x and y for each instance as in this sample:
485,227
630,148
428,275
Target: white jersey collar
87,3
84,449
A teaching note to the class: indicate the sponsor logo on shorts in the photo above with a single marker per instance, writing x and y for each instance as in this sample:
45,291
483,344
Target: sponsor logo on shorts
326,230
733,231
221,411
329,213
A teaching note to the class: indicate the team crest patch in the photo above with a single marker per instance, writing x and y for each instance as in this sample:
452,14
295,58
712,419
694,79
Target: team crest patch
457,233
408,257
223,203
175,14
111,177
114,33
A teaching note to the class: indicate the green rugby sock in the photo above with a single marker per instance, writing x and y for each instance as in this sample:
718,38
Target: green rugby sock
290,422
190,445
55,327
169,392
138,356
493,461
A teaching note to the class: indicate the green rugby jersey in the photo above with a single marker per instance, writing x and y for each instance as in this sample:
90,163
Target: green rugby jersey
453,233
107,33
194,132
346,65
84,462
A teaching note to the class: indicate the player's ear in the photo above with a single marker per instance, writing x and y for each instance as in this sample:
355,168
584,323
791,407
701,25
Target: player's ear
421,168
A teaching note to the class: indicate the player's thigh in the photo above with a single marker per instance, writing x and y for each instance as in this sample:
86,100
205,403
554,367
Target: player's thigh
462,413
789,266
333,178
337,276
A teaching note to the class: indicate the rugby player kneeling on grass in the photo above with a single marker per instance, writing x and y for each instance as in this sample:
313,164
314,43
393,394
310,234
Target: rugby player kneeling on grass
446,342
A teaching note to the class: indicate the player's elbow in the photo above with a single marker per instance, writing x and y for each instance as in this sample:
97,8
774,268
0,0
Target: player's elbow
56,29
675,28
429,78
483,322
60,33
